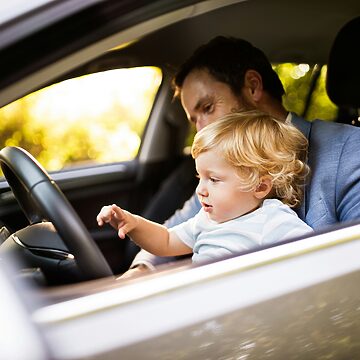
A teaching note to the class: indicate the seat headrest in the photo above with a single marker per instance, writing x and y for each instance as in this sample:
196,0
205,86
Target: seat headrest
343,73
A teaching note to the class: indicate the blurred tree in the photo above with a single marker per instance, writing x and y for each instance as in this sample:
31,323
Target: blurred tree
98,118
321,107
302,96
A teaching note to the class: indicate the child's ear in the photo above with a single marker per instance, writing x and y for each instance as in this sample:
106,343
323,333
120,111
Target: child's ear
264,187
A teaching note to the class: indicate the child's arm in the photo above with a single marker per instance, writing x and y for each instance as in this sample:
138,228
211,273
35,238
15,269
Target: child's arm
151,236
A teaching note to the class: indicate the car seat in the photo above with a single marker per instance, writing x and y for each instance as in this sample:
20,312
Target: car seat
343,73
172,194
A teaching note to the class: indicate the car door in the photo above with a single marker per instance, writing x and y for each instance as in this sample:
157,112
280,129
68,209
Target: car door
52,44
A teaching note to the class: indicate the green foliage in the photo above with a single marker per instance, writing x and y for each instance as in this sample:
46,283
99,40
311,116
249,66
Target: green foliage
297,80
321,107
296,83
97,118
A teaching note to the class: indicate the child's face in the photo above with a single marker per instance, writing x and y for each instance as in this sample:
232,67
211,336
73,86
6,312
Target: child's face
219,189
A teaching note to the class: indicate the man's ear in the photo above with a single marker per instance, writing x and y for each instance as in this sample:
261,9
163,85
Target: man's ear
253,85
264,187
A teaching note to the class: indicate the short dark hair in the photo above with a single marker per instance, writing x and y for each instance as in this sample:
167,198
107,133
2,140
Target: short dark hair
227,59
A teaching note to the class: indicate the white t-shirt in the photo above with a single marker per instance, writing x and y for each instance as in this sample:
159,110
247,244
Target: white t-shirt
270,223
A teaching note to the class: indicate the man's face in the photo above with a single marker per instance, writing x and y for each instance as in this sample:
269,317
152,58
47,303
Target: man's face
205,99
220,189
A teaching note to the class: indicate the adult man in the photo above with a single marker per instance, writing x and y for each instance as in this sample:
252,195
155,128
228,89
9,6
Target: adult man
229,75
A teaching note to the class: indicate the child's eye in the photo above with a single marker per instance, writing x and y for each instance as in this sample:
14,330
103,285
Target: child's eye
213,180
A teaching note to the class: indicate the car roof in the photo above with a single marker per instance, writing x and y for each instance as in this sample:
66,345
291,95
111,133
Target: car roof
10,10
80,33
285,31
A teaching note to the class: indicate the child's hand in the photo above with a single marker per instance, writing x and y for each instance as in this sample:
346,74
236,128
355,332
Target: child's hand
119,219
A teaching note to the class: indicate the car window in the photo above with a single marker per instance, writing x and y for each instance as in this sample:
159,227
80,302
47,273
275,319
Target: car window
93,119
320,106
305,91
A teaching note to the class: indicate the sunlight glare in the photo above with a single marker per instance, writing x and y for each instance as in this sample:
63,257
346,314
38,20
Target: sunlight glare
74,99
97,118
299,71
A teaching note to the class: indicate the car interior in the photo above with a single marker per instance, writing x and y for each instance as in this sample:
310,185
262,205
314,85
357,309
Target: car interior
161,178
343,76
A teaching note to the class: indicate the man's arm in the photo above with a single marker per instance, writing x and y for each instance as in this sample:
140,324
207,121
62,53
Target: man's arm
348,180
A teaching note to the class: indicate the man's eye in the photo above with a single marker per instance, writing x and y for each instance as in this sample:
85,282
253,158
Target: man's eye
208,108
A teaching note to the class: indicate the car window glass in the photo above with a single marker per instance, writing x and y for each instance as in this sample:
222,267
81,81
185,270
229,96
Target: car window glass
305,91
320,106
93,119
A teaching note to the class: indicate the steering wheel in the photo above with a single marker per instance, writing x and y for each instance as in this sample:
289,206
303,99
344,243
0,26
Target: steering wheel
41,199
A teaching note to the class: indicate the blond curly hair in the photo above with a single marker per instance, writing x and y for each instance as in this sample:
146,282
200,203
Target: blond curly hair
257,144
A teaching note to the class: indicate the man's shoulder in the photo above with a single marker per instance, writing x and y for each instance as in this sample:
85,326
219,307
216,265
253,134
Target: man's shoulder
335,133
324,128
334,125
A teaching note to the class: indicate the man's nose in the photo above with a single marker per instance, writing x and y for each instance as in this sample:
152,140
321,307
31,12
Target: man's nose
199,123
198,120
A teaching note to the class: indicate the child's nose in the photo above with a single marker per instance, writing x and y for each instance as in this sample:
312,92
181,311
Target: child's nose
201,189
